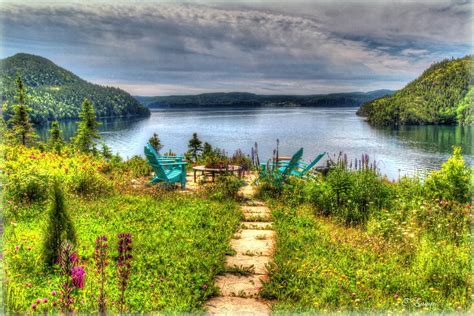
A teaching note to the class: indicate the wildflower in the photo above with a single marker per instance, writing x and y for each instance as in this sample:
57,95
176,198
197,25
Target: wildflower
124,265
395,296
54,303
204,286
45,300
17,247
33,306
53,293
38,301
78,275
73,257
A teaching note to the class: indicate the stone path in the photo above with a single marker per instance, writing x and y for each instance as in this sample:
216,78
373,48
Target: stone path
253,245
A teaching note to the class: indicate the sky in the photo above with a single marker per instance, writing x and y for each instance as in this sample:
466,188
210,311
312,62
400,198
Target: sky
266,47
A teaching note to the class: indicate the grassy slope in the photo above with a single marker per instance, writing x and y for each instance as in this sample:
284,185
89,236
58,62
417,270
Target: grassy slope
321,266
179,240
436,97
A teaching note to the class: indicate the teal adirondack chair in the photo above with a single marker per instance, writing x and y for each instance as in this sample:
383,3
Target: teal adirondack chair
288,169
165,170
303,168
161,157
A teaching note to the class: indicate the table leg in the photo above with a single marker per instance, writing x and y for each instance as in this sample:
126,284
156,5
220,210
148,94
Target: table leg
213,176
194,176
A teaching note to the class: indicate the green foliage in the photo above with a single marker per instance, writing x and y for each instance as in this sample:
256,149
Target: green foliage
60,227
441,95
413,254
137,167
55,93
21,129
452,181
55,140
155,142
224,187
195,147
87,131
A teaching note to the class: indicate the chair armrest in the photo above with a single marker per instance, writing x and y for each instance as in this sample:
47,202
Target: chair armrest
174,164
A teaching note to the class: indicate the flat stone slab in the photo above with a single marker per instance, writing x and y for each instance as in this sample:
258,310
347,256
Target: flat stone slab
252,247
239,285
259,234
258,262
237,306
256,225
255,209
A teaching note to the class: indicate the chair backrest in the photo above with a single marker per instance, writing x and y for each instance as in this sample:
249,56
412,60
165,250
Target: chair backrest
313,163
293,162
150,154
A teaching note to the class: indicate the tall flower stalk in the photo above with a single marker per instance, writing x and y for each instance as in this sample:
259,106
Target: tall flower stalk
101,262
124,260
73,275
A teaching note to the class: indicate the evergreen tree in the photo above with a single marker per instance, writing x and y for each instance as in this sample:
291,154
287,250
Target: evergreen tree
195,147
60,227
55,140
155,142
87,132
207,149
21,128
106,152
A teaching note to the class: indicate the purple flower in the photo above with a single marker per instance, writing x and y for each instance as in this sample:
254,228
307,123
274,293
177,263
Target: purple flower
78,275
17,247
33,306
38,301
53,293
73,257
45,300
204,286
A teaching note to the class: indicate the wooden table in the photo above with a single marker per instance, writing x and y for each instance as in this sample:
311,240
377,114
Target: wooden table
212,171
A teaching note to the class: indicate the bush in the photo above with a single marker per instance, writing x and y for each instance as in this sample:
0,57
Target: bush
225,187
137,167
452,182
89,184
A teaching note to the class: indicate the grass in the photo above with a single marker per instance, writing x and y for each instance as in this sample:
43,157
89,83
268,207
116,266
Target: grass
179,240
324,266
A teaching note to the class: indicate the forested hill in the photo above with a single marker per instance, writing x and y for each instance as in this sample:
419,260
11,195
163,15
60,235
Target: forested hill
56,93
443,94
242,99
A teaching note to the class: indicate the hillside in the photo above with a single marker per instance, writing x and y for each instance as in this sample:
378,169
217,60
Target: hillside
56,93
441,95
239,99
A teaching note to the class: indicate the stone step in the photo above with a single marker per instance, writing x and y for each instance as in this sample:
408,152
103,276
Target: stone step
239,285
226,305
255,209
252,247
259,234
256,263
256,225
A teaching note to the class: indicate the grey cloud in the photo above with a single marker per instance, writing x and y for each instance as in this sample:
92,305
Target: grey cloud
272,45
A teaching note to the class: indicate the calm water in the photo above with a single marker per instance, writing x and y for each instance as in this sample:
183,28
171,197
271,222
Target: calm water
406,150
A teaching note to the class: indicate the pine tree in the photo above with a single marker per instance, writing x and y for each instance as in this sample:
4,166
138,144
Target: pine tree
87,132
195,147
207,149
155,142
106,152
55,140
60,227
21,128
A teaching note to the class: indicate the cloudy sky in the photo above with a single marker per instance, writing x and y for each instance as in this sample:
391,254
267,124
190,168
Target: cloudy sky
267,47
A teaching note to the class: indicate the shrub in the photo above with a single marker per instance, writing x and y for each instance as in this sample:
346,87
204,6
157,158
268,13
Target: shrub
27,185
452,182
137,167
87,183
59,228
225,187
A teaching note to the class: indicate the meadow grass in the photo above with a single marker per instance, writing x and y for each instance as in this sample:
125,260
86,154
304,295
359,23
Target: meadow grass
179,240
